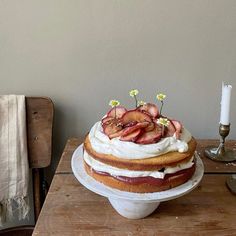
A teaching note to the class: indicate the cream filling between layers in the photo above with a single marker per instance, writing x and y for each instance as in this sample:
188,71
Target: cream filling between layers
114,171
101,143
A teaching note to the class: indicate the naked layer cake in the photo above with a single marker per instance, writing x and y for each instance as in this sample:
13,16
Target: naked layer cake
139,150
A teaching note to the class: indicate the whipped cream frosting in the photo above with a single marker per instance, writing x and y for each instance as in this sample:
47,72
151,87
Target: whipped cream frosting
114,171
101,143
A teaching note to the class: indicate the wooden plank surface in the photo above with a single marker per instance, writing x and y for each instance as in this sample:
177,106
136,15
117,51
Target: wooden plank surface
39,113
71,209
64,165
210,166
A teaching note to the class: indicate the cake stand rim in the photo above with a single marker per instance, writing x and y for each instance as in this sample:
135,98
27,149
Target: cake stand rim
106,191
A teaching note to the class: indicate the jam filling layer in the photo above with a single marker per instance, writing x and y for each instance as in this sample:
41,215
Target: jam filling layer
148,179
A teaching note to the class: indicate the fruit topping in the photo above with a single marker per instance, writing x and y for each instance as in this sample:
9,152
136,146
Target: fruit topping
178,128
117,112
134,115
151,136
112,127
131,129
170,130
131,123
150,109
150,127
131,136
107,120
116,134
111,120
143,125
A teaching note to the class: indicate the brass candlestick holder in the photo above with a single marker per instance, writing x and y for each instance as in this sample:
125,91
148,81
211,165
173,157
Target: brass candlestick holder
220,153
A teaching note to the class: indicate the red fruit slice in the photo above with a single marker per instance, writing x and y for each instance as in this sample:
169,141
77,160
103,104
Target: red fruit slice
151,136
117,112
131,129
135,115
178,127
170,129
131,123
150,127
107,120
115,135
150,109
131,136
111,129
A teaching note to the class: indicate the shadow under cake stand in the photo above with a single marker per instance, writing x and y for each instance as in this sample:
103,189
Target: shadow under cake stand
128,204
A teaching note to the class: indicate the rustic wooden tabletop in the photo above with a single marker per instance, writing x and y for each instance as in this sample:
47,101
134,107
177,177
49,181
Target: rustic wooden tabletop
71,209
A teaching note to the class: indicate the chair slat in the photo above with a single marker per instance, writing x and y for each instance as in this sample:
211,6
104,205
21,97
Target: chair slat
39,113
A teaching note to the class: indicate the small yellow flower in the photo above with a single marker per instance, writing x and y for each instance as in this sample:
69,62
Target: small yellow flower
133,92
163,121
114,103
141,103
160,96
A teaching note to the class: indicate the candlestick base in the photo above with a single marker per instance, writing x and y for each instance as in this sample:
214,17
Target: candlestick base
214,154
220,153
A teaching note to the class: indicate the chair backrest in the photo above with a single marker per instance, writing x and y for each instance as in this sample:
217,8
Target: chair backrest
39,114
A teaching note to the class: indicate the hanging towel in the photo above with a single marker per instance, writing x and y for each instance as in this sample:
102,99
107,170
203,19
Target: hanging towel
14,167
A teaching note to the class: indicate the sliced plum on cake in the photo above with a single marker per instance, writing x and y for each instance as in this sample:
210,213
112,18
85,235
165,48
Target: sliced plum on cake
138,125
117,112
152,136
135,116
150,109
178,127
174,127
170,130
131,136
130,129
112,127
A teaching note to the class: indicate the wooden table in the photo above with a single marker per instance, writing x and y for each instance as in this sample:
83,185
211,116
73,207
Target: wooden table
71,209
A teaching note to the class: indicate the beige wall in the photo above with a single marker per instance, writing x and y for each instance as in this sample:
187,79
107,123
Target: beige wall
82,53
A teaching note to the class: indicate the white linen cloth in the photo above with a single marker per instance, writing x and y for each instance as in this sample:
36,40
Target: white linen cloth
14,167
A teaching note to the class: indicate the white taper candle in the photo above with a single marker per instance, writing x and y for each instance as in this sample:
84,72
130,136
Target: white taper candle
225,104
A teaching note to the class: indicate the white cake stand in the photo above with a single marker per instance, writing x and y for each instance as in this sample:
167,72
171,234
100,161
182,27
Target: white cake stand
132,205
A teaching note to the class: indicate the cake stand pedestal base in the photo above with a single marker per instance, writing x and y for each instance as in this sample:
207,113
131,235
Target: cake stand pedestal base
133,209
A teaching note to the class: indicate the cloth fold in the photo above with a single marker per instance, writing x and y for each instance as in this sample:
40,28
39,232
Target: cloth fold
14,167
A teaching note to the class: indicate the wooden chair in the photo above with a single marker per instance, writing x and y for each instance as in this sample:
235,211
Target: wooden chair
39,112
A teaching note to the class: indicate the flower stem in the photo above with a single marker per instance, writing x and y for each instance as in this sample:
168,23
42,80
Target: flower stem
162,130
136,101
115,112
161,106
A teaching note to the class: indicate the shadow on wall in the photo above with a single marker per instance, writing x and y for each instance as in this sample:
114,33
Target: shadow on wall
63,128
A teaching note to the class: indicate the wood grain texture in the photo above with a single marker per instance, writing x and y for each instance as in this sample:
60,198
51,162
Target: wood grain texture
64,165
71,209
36,192
39,111
210,166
